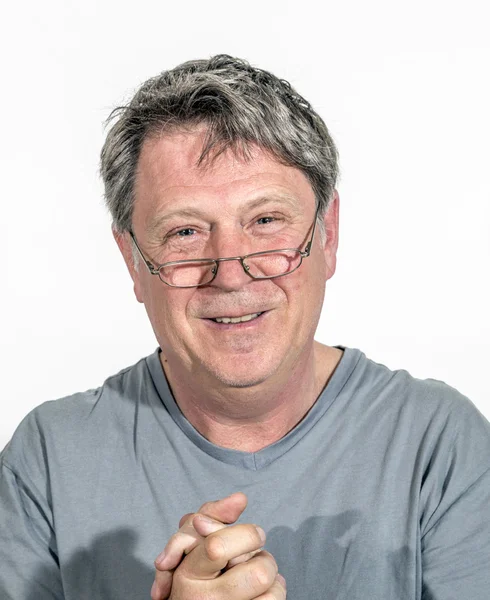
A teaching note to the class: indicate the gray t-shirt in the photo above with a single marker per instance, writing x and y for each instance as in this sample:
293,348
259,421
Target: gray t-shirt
382,492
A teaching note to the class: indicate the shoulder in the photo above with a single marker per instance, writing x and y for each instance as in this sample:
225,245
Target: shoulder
56,427
430,410
425,396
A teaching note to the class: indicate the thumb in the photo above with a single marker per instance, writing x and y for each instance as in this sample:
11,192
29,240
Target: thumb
226,510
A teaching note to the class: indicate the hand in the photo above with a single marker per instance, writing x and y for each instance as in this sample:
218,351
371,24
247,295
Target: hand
201,574
219,512
193,528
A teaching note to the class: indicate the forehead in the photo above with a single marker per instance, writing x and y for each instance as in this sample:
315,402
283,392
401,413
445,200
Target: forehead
168,176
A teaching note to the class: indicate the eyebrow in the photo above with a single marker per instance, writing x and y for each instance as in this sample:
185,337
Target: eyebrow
155,224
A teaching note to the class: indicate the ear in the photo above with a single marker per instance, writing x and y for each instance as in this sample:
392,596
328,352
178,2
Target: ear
123,241
331,225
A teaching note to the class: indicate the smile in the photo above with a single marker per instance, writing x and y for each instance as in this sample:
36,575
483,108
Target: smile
243,319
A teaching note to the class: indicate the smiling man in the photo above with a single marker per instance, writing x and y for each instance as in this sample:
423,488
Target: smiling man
237,336
349,480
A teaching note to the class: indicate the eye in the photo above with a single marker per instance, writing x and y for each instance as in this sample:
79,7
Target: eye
188,231
265,220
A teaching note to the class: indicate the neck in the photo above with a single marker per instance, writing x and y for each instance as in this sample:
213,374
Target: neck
249,419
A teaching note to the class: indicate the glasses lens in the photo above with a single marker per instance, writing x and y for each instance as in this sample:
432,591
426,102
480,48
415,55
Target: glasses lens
193,273
272,264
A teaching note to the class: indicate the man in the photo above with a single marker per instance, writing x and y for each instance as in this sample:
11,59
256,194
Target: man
349,481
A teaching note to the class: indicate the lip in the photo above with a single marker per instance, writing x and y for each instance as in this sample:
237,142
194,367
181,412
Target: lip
237,326
231,315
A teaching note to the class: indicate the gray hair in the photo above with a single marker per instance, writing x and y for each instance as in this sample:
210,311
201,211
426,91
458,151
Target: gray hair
239,105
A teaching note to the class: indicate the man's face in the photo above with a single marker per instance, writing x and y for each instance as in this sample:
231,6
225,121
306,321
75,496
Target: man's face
228,208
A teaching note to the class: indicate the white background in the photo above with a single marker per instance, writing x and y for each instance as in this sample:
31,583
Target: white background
404,89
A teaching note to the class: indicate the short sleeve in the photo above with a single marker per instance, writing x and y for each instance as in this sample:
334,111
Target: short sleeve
29,567
27,545
455,529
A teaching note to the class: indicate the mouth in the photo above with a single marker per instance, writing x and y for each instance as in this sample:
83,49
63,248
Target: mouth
244,321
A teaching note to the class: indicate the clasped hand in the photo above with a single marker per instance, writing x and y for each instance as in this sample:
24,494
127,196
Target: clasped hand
210,558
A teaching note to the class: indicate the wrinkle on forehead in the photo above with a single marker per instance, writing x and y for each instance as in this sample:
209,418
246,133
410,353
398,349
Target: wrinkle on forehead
169,174
209,146
184,149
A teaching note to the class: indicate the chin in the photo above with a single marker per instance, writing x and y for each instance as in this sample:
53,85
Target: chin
244,377
233,382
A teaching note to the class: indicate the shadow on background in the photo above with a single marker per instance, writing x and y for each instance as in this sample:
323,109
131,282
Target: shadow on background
339,558
327,558
107,570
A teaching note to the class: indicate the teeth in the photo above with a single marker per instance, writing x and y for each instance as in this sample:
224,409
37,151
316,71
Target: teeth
237,319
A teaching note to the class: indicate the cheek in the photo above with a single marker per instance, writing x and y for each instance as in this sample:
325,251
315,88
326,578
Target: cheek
311,277
166,309
298,291
306,291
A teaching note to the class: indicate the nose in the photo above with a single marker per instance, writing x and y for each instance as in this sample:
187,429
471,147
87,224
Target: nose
230,242
231,276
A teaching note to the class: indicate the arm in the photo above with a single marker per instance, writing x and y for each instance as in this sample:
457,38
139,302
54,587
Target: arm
455,518
28,553
456,549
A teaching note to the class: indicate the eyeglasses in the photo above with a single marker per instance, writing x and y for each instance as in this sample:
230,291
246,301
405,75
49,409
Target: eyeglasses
259,265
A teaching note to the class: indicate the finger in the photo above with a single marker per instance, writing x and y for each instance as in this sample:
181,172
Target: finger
162,586
245,581
185,540
241,559
226,510
184,519
210,557
204,526
277,591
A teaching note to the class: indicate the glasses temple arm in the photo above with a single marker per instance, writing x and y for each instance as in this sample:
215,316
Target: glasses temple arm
148,264
309,244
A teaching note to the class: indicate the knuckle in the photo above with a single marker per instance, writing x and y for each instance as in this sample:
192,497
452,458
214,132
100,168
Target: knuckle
268,556
190,518
184,519
254,535
174,544
201,514
186,529
261,577
174,539
178,542
214,548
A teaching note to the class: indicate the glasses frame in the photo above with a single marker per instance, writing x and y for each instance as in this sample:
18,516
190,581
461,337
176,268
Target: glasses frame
155,270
